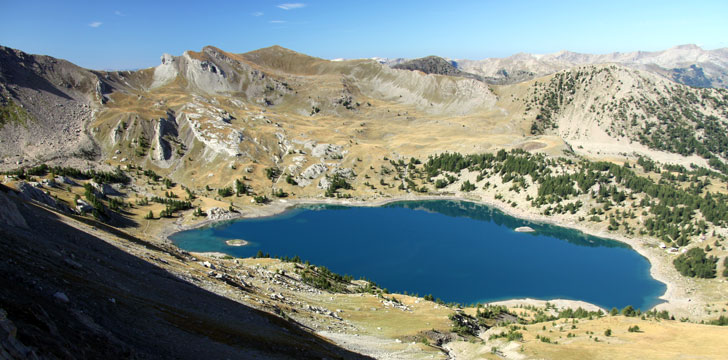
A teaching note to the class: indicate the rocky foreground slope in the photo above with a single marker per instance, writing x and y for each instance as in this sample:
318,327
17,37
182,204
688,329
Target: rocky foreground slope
68,290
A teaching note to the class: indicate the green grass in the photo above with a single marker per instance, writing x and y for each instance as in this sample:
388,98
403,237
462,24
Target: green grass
12,113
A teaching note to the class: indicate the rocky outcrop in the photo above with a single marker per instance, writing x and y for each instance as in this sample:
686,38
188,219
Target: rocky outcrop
211,128
83,207
324,183
206,75
104,190
218,213
162,150
65,180
327,151
166,71
346,173
310,173
33,192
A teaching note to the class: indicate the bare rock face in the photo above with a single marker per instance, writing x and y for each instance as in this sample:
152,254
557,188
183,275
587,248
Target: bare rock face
211,129
206,75
346,173
162,150
166,71
430,93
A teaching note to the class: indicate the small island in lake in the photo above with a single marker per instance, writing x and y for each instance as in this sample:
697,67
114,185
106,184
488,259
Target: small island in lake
524,229
236,242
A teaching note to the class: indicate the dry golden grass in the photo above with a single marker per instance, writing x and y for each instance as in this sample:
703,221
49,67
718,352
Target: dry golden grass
655,340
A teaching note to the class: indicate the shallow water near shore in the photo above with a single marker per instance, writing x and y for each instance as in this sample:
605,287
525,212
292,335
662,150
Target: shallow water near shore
455,250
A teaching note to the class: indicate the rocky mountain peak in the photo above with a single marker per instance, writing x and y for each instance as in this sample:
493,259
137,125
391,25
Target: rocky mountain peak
687,47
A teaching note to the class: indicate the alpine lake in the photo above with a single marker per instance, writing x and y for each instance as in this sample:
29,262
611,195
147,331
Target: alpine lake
457,251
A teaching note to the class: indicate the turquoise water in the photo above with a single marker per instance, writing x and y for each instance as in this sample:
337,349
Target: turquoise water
457,251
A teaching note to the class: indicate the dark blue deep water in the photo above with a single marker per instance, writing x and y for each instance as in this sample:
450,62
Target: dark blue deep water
457,251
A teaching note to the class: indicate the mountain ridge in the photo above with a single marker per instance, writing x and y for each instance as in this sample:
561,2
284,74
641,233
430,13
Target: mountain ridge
179,102
671,63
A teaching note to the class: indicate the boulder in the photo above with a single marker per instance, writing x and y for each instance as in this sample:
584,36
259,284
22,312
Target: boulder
65,180
48,182
82,206
61,297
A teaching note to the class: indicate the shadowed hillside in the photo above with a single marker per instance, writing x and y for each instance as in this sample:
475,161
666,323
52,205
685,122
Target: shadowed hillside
71,294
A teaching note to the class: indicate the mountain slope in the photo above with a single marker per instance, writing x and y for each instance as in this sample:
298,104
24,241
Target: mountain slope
212,112
609,105
53,101
101,301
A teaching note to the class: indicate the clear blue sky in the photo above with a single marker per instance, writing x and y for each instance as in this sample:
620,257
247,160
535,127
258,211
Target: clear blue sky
111,34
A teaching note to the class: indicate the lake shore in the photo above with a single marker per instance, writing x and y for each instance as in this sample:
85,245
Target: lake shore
677,297
558,303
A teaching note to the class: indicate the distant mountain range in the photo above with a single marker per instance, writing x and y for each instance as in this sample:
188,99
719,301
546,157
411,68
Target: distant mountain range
685,64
